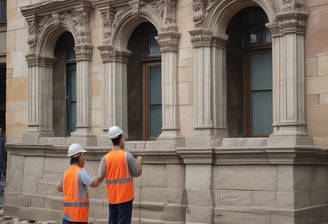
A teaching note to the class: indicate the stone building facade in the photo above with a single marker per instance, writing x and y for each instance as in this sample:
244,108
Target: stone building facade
226,100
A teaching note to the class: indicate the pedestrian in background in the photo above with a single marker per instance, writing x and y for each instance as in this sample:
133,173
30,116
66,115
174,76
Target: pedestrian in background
3,154
74,186
119,167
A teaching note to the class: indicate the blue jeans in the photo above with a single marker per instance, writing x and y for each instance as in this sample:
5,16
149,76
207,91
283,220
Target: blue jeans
120,213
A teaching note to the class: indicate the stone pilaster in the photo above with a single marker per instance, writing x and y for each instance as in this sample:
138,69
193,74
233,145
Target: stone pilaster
168,42
39,106
83,84
115,90
209,89
288,80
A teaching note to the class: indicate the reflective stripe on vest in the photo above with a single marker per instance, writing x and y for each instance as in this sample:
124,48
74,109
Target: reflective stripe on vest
118,178
76,198
119,181
76,204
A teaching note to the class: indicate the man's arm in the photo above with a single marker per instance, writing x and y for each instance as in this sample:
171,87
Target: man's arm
135,165
59,186
101,172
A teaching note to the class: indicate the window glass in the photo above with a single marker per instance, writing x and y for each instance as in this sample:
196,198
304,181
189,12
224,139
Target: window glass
261,113
144,84
261,96
153,47
255,26
261,71
249,75
155,101
3,10
72,98
64,86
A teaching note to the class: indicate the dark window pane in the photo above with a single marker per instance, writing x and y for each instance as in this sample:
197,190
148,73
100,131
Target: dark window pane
3,10
153,47
261,112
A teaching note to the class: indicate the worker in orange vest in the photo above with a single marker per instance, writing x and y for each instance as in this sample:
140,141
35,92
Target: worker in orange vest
74,186
119,167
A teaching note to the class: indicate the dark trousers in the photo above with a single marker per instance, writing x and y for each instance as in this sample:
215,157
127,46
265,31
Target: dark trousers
69,222
120,213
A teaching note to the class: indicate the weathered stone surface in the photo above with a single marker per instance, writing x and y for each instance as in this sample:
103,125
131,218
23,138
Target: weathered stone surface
245,177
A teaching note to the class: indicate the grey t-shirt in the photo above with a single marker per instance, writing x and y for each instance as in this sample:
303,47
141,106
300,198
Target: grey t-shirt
132,164
84,178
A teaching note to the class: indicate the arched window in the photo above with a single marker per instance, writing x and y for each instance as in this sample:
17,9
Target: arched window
64,86
249,74
144,84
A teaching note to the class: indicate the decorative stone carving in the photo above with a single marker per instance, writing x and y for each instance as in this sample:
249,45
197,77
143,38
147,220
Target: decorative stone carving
83,52
168,41
201,38
74,17
169,16
293,22
199,8
135,6
293,5
81,21
33,34
107,16
112,14
109,54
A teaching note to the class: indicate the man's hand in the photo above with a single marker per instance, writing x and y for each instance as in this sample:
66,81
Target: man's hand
139,162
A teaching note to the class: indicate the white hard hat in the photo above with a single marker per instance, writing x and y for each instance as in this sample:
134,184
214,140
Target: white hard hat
114,132
75,149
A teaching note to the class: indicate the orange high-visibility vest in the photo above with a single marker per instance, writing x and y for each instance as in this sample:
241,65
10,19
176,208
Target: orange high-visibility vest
118,178
76,200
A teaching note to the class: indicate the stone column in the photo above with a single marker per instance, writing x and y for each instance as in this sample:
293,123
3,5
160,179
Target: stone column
83,86
209,89
39,98
115,89
288,80
168,42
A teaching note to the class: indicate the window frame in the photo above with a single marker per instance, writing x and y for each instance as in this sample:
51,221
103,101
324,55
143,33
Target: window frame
146,67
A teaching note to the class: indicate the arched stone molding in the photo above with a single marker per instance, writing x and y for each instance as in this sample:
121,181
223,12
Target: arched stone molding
287,20
119,21
46,22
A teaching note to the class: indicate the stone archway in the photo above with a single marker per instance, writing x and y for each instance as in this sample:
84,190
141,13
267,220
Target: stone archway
45,24
287,21
118,23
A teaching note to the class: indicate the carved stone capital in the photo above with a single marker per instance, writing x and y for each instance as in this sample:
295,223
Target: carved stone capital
109,54
219,42
83,52
293,22
201,38
35,60
168,41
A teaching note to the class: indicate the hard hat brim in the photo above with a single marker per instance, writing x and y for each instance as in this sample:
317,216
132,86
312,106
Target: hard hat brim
72,154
